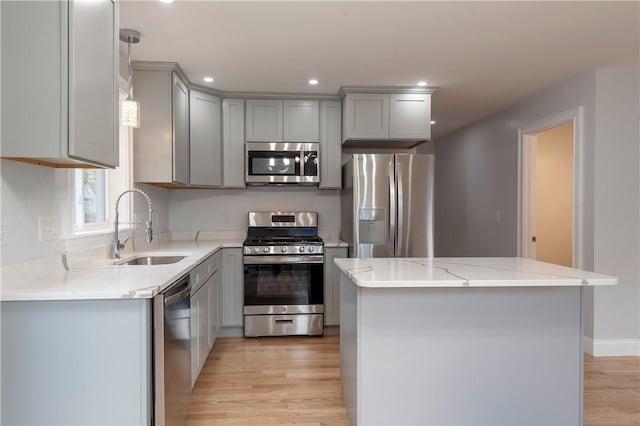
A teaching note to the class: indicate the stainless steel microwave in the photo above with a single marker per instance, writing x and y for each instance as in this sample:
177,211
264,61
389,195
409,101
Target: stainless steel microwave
282,163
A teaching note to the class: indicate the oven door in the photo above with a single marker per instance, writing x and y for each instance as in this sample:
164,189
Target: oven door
283,284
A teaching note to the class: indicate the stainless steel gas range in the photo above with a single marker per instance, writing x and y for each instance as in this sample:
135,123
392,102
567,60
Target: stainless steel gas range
283,275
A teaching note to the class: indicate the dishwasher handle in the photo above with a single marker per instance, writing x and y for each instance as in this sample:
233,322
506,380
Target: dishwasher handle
177,291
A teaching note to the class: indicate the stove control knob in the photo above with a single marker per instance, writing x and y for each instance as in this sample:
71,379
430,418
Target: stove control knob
284,249
301,249
266,249
255,249
310,249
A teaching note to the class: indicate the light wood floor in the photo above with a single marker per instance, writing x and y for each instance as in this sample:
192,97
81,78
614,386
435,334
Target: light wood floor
296,381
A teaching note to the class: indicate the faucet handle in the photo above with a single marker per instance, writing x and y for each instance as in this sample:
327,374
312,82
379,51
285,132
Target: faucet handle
149,232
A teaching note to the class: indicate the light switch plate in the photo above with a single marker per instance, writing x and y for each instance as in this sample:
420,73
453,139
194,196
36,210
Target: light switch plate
47,228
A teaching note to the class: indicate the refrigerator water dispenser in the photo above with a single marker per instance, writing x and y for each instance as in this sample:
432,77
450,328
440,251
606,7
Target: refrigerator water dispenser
373,226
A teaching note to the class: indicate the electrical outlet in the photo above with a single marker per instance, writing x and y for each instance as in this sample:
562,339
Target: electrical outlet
495,216
3,234
47,228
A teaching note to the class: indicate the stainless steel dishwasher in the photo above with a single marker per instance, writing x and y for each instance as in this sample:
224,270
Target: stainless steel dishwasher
172,354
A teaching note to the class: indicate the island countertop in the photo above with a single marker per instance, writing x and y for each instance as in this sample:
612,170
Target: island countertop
465,272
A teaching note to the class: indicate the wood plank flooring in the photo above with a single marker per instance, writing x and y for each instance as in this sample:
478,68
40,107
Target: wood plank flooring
270,381
296,381
611,391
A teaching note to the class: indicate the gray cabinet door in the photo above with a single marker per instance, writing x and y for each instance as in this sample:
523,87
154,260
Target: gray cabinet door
330,145
199,329
180,130
232,287
93,82
366,116
264,120
60,61
214,308
233,143
205,139
301,121
332,285
410,116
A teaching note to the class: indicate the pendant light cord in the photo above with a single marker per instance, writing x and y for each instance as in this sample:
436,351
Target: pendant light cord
129,63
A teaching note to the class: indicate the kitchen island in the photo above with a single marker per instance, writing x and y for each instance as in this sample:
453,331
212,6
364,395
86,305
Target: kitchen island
462,341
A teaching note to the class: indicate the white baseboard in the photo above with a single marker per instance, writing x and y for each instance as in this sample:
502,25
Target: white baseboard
612,347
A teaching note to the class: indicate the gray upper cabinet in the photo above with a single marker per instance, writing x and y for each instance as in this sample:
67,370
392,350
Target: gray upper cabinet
264,120
410,116
180,130
59,75
301,121
396,120
205,141
161,144
366,116
233,143
330,145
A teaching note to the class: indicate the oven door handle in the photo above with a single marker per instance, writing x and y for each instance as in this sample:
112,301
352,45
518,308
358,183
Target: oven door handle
266,260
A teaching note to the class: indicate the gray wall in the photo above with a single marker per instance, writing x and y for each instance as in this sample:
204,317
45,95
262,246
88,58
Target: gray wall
226,210
617,204
476,173
30,191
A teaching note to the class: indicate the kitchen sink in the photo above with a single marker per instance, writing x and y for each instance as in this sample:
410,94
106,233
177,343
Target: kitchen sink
151,260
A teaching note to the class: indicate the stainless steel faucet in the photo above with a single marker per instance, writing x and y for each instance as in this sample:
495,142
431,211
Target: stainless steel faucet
149,231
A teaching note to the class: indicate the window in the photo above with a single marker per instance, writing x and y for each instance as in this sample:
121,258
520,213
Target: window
95,190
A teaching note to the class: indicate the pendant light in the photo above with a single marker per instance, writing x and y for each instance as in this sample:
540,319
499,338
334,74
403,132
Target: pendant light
129,108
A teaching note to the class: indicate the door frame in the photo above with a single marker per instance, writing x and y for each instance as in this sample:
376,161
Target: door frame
526,220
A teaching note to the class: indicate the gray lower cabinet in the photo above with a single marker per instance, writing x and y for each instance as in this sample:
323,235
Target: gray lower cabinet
161,144
60,82
205,285
205,139
332,285
214,308
233,143
330,145
199,329
81,362
232,287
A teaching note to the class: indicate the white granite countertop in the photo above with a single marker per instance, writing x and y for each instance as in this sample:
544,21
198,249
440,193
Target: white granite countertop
335,243
466,272
47,279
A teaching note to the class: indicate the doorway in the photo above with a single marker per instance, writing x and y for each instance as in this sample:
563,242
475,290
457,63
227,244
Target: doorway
549,190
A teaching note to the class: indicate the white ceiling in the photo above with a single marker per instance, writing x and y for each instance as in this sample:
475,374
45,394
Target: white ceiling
482,56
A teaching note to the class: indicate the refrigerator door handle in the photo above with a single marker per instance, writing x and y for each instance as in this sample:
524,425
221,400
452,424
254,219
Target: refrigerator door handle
392,209
399,250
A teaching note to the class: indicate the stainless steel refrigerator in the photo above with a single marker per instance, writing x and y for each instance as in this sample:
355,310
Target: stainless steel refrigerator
387,205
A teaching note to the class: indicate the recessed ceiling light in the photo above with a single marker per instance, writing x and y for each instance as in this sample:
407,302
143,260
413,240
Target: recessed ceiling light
208,79
167,1
422,83
313,82
433,122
